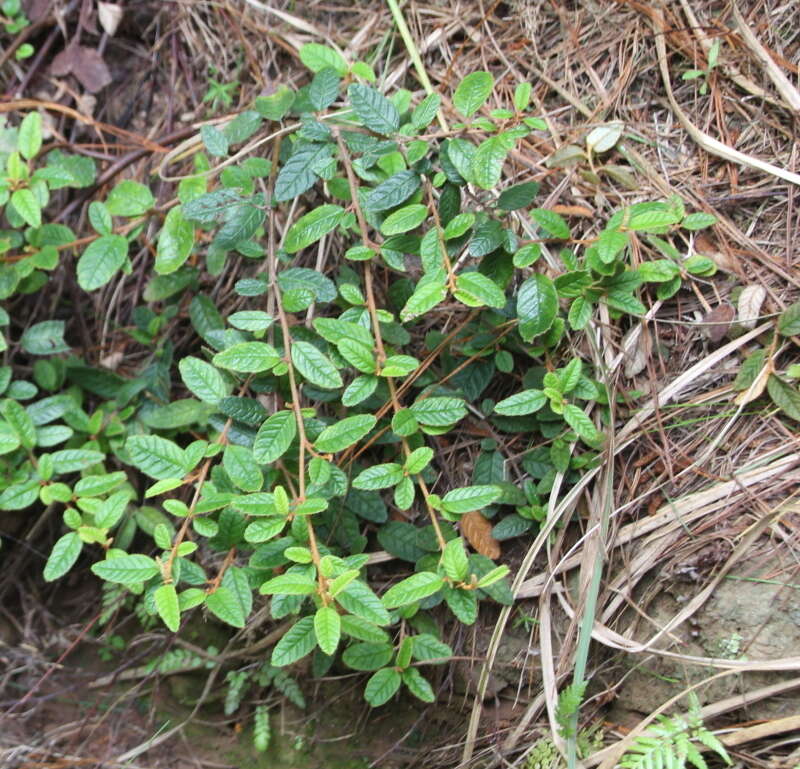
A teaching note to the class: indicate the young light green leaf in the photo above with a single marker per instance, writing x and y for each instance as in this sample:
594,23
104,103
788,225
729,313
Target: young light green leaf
405,219
487,163
129,198
100,261
317,57
298,641
274,437
525,402
203,380
166,600
242,468
426,296
454,560
343,434
359,628
315,366
126,569
552,223
26,204
373,109
412,589
224,604
292,583
379,477
472,92
310,228
522,96
248,357
425,111
29,138
327,628
469,498
63,556
784,396
495,575
175,242
439,411
577,419
477,290
418,460
359,390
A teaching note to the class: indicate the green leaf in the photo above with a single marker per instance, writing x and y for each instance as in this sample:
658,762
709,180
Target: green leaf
477,290
44,338
344,433
426,296
214,140
166,601
315,366
412,589
458,225
789,320
698,221
324,88
73,460
297,174
274,437
248,357
242,468
472,92
382,686
328,628
487,163
20,495
356,627
373,109
404,219
469,498
425,111
203,380
317,57
126,569
625,302
358,598
784,396
577,419
610,243
157,457
250,320
27,206
101,260
20,421
427,647
454,560
359,390
439,411
463,603
95,485
129,198
658,271
379,477
241,223
357,354
29,138
551,222
418,685
395,190
522,96
310,228
580,313
9,440
518,196
292,583
63,556
175,242
298,641
399,365
525,402
225,605
367,656
537,306
418,460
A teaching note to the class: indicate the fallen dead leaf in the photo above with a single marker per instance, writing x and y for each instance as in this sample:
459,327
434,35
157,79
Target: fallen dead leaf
110,16
85,63
478,532
749,305
721,316
573,211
